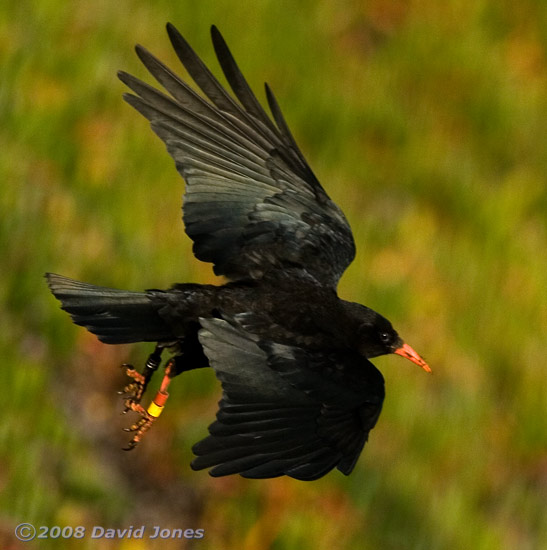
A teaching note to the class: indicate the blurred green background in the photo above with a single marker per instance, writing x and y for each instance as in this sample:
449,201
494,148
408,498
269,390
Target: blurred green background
426,122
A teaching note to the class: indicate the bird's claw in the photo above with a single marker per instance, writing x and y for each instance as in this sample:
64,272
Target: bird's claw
140,428
133,393
147,416
134,390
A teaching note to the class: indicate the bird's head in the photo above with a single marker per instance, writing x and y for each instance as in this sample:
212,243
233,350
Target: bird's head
376,336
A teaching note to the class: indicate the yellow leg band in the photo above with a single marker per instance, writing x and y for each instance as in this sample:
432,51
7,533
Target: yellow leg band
154,410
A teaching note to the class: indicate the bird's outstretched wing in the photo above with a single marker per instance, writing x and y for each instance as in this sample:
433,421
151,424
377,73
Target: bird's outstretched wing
282,411
252,203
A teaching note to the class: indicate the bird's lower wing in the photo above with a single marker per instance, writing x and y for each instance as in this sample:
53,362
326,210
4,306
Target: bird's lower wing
275,421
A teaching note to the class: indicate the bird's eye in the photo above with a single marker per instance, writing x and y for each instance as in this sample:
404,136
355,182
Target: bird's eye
385,337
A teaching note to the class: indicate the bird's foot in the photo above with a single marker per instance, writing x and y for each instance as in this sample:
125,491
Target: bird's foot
135,390
147,417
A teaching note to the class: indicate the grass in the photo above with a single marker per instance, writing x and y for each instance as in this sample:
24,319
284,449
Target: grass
426,123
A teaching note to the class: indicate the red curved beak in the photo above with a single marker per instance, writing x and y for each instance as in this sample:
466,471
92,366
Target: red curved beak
406,351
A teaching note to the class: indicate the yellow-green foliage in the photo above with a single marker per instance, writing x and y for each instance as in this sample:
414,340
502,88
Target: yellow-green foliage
427,122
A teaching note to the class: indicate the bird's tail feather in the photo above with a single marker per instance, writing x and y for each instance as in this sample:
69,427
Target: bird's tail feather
115,316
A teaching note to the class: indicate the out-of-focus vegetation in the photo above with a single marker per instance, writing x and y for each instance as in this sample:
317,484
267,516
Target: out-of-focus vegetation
427,122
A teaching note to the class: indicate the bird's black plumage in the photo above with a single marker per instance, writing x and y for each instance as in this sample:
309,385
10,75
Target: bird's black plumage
299,393
252,203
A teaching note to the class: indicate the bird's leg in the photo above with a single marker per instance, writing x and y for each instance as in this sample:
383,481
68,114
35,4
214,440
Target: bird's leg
135,390
148,416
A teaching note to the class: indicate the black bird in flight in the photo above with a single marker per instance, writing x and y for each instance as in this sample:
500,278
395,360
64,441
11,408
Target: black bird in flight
299,392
